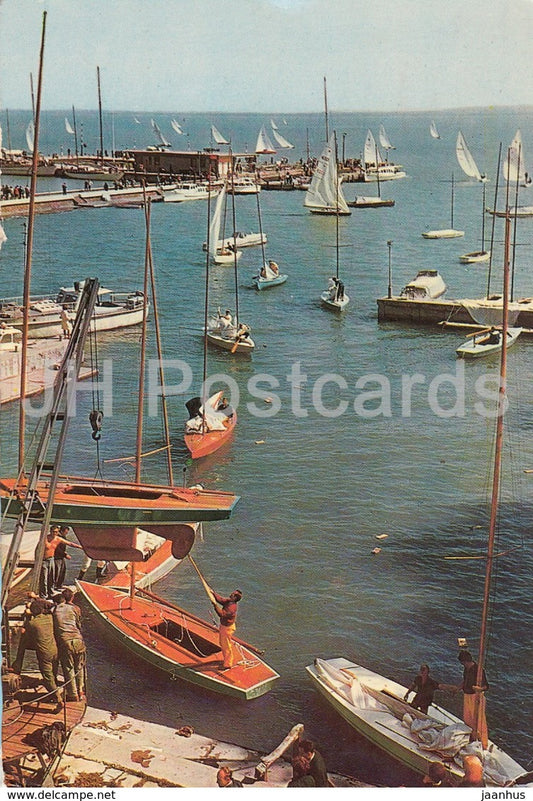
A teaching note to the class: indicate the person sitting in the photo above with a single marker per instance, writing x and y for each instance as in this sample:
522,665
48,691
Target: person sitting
332,287
225,778
300,772
263,272
493,337
274,267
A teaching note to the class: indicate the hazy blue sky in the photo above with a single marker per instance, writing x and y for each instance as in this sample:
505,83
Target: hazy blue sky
269,55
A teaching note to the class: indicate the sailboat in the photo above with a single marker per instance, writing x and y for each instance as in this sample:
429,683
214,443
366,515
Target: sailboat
263,145
478,256
217,136
371,201
374,166
335,297
283,143
446,233
516,174
466,160
384,140
433,131
374,705
269,274
221,253
324,195
161,141
176,127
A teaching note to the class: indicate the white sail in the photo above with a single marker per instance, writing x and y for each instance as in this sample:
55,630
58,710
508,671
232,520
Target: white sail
325,188
371,151
136,121
214,227
433,131
159,136
273,125
465,159
30,135
384,140
514,165
217,136
264,145
68,127
282,142
176,126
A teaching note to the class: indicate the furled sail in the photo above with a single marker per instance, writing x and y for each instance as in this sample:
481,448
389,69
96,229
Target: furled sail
371,152
282,142
465,159
176,127
264,145
325,189
214,227
217,136
433,131
30,135
514,166
68,127
159,136
384,140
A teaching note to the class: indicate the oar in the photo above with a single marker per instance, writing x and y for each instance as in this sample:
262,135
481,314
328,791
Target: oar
477,333
237,343
207,588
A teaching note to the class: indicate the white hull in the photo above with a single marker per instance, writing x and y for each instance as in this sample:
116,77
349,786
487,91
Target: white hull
381,726
479,345
443,233
266,283
387,172
182,194
475,258
228,343
428,285
226,259
335,305
110,320
243,241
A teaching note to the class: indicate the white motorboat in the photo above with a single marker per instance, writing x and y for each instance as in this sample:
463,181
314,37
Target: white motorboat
112,310
189,191
428,285
243,185
486,342
373,705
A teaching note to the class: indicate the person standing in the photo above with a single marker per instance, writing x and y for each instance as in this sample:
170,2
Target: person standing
61,556
227,612
66,326
39,636
470,690
70,644
424,687
317,766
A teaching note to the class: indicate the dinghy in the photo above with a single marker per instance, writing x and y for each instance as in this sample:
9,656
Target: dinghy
486,342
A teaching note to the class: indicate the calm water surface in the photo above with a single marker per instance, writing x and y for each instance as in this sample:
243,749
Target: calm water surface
318,490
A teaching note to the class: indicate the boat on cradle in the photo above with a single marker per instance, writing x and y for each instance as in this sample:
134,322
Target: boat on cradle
227,255
160,556
209,426
243,185
82,502
243,240
179,643
373,705
486,342
446,233
324,195
189,191
428,285
112,310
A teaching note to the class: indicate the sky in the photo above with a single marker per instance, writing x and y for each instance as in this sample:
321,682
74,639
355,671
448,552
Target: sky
269,55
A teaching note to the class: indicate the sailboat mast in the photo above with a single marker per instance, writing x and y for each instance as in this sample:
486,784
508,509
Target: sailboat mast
8,130
100,116
75,133
326,108
453,189
497,468
140,407
29,250
206,300
494,218
260,226
234,244
336,208
32,97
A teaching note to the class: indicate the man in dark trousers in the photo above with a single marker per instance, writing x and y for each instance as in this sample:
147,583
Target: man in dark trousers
317,766
227,612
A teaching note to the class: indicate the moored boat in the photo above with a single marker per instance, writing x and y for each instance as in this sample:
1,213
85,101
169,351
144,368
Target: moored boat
243,185
446,233
189,191
179,643
369,202
324,195
487,342
210,425
427,285
373,705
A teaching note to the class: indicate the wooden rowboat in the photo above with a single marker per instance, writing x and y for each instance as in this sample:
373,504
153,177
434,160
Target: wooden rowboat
177,642
203,442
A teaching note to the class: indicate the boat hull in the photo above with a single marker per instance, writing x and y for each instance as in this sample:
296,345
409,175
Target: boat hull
443,233
244,346
334,305
384,728
226,259
202,444
476,349
370,203
266,283
114,503
196,659
329,212
478,257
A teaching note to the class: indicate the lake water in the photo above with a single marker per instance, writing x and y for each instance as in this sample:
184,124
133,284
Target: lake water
315,489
